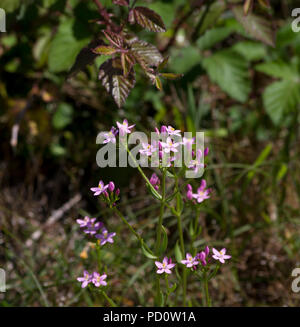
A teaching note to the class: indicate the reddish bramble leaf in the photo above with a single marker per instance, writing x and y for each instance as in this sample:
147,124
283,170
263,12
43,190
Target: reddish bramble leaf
147,18
171,76
115,83
115,39
146,53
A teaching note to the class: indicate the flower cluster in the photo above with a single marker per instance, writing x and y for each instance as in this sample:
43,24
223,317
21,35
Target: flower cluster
202,193
107,192
94,278
202,258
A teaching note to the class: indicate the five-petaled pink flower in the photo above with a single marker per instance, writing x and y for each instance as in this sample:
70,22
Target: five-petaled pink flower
85,222
124,128
173,131
100,189
98,279
169,145
85,280
220,255
110,136
202,193
165,266
105,237
93,226
190,261
148,149
195,164
202,256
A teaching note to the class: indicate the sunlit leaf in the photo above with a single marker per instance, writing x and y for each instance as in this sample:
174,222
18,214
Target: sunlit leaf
171,76
104,50
148,19
258,27
146,52
115,83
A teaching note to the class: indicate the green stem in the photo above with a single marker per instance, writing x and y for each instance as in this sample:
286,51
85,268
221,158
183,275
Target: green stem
167,284
99,257
108,299
205,281
180,231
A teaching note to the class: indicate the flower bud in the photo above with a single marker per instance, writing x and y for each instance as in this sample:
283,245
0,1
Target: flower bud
111,186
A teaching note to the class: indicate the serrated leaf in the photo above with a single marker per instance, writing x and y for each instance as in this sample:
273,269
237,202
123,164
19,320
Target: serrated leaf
250,50
104,50
230,71
146,53
148,19
277,69
115,39
213,36
115,83
258,27
280,98
85,57
171,76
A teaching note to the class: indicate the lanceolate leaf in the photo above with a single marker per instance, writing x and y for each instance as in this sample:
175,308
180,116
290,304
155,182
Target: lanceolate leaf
115,83
148,19
230,71
146,53
171,76
258,27
104,50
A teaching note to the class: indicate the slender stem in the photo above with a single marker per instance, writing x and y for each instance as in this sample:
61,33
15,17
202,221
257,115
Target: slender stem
180,231
127,224
168,292
99,257
162,207
205,281
105,15
108,299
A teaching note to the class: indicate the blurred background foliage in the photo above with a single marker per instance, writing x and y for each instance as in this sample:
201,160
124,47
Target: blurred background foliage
241,85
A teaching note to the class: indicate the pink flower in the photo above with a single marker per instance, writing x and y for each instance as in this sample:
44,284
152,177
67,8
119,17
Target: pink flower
98,279
206,150
110,136
202,193
202,256
100,189
93,226
85,280
105,237
154,180
169,145
189,193
190,261
148,149
172,131
165,266
124,128
195,164
220,255
188,142
84,222
111,186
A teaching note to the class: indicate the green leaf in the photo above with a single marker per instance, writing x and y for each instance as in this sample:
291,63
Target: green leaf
178,254
147,253
10,5
115,83
184,59
146,53
258,27
171,76
63,116
148,19
280,98
260,159
104,50
213,36
278,69
250,50
230,71
66,46
164,243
